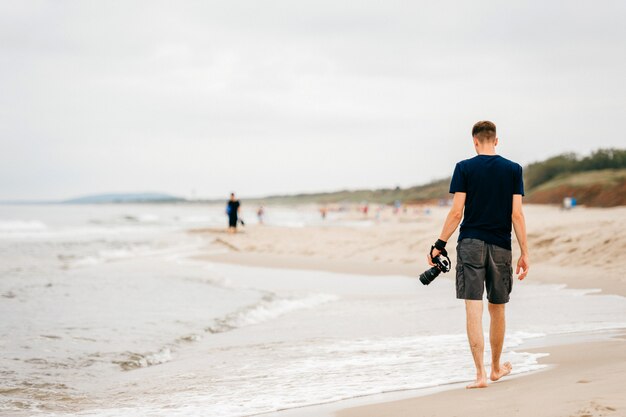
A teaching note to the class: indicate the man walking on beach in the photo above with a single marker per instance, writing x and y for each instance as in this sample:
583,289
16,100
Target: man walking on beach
488,192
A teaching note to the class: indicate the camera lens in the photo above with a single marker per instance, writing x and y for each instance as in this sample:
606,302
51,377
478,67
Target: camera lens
430,275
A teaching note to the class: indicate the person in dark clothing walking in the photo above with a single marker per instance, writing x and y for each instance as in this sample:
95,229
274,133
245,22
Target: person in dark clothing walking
488,192
232,210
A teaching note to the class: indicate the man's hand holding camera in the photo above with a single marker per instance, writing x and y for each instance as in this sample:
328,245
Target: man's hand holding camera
435,250
438,259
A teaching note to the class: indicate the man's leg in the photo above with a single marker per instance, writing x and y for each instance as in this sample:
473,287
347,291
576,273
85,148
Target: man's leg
474,313
496,338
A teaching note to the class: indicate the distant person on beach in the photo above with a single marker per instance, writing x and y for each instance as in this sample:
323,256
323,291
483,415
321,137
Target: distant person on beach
260,214
569,203
232,210
488,192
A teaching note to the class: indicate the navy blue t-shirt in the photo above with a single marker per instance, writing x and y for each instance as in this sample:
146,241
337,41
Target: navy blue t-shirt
489,182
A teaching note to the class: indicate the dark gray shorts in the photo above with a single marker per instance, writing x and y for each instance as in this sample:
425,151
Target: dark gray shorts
480,265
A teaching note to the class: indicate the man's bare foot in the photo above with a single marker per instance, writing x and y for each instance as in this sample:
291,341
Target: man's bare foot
504,370
481,382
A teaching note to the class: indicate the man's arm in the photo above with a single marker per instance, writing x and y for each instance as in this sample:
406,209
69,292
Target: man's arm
455,215
519,225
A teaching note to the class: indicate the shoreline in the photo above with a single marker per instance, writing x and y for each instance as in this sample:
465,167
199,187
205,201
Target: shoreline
577,278
583,378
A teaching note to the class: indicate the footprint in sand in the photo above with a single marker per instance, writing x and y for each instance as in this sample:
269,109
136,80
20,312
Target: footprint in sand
596,410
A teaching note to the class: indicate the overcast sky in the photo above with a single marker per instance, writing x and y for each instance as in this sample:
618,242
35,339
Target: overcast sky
265,97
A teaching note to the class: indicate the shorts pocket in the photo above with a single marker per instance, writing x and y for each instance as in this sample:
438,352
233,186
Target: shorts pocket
471,252
500,255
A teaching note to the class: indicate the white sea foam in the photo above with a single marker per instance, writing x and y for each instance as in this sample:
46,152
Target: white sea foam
141,360
87,232
148,218
269,307
277,376
197,219
174,251
9,226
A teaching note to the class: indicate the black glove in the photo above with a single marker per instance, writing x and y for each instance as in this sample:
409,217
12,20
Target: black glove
440,245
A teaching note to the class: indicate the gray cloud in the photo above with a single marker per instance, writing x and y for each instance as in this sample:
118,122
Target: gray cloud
266,97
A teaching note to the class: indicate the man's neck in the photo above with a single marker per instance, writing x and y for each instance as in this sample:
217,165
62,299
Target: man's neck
486,151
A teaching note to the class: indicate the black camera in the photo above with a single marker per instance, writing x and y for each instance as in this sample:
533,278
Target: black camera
442,264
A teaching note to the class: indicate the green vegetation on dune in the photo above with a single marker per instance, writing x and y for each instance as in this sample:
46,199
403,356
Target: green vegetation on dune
595,180
605,178
569,163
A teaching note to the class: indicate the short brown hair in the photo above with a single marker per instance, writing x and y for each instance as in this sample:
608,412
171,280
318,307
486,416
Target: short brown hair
484,130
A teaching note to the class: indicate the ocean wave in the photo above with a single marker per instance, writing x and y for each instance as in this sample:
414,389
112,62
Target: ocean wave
126,252
216,281
103,256
42,231
22,226
193,337
142,218
310,373
269,307
134,360
197,219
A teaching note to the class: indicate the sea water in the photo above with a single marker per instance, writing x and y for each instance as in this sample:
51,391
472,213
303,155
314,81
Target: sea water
106,312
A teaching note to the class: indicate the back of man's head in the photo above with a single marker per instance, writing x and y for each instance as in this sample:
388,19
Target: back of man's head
484,131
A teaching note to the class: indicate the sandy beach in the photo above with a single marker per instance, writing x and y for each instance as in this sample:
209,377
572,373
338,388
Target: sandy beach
581,248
